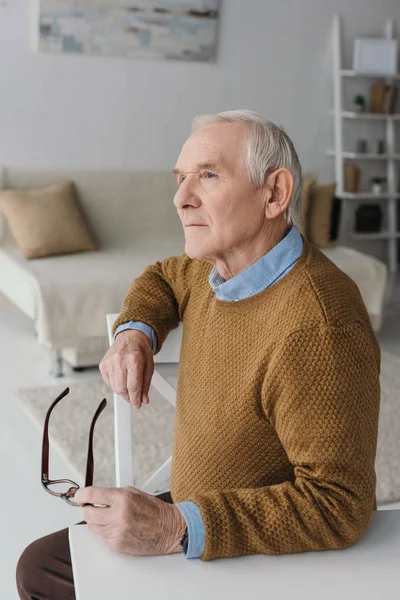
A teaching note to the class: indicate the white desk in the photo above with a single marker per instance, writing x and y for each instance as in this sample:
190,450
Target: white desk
368,570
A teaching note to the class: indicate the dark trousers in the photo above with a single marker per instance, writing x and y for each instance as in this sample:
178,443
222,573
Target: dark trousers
44,570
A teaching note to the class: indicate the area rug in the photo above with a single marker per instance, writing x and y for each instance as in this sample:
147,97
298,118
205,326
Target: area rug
153,428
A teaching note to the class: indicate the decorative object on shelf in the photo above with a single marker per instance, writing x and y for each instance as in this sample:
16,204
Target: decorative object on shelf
390,100
383,98
352,177
368,218
377,97
380,147
375,56
377,184
359,103
173,30
362,146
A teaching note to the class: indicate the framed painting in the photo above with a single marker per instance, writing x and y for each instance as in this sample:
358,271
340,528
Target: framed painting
153,29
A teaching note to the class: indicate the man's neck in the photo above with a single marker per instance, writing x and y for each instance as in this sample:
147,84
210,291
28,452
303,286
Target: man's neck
234,264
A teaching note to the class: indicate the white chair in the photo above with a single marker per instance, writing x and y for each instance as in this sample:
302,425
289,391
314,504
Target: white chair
164,381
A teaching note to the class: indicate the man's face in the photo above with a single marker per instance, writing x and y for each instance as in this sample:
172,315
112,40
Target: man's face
216,194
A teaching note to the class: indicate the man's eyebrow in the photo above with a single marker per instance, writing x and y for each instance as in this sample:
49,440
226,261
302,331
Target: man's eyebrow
199,166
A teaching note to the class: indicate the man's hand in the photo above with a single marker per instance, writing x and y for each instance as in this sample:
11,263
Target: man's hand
132,521
128,366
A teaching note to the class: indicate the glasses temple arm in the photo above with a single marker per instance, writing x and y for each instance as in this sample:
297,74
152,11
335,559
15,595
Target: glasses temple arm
45,442
90,459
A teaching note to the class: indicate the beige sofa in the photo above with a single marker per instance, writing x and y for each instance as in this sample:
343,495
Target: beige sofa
134,222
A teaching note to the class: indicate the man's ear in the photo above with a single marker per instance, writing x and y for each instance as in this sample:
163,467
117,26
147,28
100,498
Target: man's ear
279,190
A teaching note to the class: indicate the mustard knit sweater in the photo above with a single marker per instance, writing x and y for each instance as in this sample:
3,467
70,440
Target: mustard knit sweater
277,405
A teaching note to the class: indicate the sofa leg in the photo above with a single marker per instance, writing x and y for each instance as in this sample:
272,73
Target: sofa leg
57,364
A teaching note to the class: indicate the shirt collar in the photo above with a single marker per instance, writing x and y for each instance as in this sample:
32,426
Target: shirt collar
261,274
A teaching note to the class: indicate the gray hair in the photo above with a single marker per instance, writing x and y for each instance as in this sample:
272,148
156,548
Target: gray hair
268,148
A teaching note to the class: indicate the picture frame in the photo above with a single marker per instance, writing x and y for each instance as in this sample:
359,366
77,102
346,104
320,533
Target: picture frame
375,56
183,30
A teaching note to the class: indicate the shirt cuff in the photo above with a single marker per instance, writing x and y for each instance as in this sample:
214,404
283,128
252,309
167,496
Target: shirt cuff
141,327
196,529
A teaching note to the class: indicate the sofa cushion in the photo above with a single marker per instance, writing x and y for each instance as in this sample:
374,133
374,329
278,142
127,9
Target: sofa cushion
306,194
319,216
46,222
73,292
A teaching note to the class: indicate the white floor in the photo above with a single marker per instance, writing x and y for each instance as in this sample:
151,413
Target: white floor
27,512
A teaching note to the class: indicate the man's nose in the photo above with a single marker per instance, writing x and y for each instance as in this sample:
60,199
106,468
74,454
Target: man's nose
187,192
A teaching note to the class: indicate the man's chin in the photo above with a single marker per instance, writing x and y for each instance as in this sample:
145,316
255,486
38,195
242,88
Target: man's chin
195,251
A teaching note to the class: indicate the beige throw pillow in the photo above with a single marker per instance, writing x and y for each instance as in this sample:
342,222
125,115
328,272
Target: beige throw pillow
319,218
306,194
47,221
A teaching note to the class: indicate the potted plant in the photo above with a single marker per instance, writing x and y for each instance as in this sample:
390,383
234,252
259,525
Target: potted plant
377,184
359,103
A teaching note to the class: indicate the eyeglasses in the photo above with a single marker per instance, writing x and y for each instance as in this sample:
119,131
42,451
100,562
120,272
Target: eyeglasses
52,485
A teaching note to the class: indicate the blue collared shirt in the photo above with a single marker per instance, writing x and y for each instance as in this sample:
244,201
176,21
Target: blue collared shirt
271,267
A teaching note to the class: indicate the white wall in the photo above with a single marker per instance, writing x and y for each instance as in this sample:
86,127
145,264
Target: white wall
274,56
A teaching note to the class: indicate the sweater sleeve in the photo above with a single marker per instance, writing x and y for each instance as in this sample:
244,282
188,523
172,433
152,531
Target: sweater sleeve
321,393
159,296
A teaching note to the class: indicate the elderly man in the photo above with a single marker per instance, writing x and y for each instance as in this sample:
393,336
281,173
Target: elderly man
278,393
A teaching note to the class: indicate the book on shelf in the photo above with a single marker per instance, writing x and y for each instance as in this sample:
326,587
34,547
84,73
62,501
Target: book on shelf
390,101
383,99
377,97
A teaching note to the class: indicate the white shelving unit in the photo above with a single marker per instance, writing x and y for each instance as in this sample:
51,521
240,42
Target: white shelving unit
347,114
392,194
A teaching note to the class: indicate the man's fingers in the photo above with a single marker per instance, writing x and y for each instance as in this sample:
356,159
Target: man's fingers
118,380
96,495
128,366
134,381
148,374
104,373
96,515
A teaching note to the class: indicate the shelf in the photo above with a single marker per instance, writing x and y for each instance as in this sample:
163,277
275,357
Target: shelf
387,124
365,155
367,196
351,73
347,114
380,235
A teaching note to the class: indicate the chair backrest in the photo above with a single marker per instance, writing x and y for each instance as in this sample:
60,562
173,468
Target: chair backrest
124,470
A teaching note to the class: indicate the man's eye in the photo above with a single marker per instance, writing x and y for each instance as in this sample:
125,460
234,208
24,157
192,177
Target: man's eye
181,179
209,175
